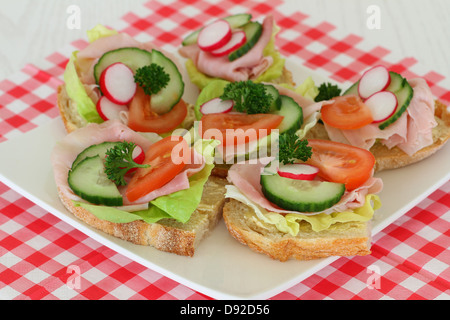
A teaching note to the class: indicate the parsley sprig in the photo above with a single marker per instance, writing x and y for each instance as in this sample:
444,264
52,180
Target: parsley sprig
248,97
327,91
291,148
152,78
119,160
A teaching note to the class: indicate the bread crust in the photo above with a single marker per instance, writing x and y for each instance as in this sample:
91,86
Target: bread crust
345,239
395,158
166,235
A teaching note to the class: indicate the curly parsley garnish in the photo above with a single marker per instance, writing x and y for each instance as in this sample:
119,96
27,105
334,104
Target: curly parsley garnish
152,78
119,160
291,148
327,91
248,97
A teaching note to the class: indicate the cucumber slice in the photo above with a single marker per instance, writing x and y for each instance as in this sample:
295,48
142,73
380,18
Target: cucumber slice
292,113
404,97
170,95
235,21
89,181
94,150
397,82
276,101
253,31
402,90
301,195
134,58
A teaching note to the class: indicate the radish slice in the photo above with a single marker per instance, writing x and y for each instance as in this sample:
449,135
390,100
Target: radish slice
382,105
138,155
109,110
374,80
237,40
298,171
117,83
214,35
217,105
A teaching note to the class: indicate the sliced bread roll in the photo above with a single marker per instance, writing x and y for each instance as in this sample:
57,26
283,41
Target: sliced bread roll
168,234
395,158
341,239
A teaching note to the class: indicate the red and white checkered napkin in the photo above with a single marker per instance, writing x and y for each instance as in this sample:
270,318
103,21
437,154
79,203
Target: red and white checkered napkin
39,253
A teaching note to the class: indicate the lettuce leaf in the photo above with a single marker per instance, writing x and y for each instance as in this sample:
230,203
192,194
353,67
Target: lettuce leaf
273,72
76,92
179,205
290,223
99,31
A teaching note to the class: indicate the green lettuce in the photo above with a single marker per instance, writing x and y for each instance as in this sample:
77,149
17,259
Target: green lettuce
178,205
99,31
290,223
273,72
76,92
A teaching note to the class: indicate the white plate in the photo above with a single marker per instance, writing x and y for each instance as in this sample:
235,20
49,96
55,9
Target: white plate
222,268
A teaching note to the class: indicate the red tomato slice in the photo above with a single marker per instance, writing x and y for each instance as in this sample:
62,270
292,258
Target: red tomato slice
142,118
163,167
234,129
347,112
342,163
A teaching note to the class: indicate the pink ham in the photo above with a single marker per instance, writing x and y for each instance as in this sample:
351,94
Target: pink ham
67,150
249,66
246,177
411,132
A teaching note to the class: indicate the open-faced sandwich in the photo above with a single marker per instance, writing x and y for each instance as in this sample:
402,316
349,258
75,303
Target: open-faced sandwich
247,117
156,192
235,48
116,77
316,200
397,119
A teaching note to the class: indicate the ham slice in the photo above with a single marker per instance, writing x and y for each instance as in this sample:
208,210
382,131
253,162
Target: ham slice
246,177
411,132
249,66
67,150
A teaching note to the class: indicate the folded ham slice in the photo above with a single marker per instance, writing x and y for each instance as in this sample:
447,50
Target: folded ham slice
246,177
66,151
411,132
249,66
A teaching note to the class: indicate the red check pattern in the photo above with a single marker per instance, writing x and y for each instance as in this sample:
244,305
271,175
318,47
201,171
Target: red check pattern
410,258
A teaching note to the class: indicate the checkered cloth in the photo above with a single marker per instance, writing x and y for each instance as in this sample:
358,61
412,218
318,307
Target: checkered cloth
410,258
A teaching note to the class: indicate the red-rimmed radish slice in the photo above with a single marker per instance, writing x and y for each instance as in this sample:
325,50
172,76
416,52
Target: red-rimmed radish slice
138,155
373,80
214,35
117,83
109,110
237,40
216,105
382,105
298,171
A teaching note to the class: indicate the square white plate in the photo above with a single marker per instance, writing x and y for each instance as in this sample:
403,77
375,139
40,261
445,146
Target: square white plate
222,268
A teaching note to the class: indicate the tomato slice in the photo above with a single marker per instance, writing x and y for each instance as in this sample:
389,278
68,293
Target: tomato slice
163,166
234,128
342,163
347,112
142,118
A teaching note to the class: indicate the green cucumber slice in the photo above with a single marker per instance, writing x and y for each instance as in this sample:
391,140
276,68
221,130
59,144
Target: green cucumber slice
94,150
276,101
301,195
89,181
134,58
292,113
170,95
398,86
253,31
235,21
404,97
